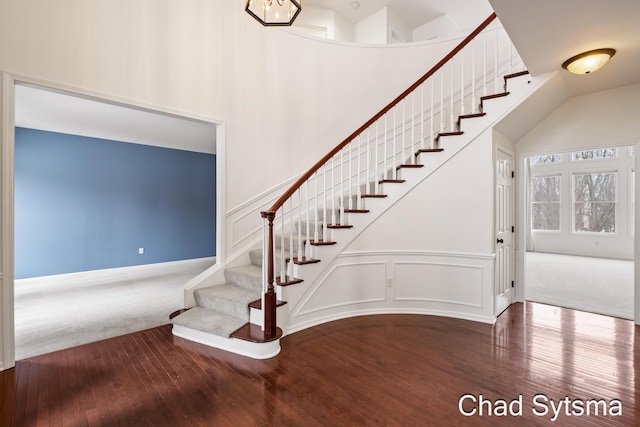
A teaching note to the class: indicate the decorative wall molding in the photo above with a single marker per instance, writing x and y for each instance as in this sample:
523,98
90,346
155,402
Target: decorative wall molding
452,284
243,222
489,257
323,283
467,274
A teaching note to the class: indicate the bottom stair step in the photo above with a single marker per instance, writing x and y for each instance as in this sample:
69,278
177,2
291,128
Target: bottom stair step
254,333
258,304
210,321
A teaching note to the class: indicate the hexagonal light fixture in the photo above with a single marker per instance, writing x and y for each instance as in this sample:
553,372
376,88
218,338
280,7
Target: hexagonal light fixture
274,13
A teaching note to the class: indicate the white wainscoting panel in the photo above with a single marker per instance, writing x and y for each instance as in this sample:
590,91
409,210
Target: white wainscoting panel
345,285
451,284
245,223
438,282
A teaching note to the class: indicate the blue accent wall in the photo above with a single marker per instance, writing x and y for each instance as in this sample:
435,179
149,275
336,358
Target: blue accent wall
86,204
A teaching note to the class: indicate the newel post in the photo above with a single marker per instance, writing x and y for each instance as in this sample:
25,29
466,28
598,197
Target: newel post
270,294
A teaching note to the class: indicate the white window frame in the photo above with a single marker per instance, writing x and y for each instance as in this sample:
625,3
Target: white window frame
559,202
632,201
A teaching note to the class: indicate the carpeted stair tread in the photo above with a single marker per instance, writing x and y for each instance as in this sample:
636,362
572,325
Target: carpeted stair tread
228,299
210,321
248,276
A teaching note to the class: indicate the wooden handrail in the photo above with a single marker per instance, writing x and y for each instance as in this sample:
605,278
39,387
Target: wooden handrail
296,185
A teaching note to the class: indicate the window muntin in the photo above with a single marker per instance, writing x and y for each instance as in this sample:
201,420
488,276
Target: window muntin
594,199
546,196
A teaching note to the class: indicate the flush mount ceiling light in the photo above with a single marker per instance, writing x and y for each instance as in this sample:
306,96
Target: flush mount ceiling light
274,13
588,62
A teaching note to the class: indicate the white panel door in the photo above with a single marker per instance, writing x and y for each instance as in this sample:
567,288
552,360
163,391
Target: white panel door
504,272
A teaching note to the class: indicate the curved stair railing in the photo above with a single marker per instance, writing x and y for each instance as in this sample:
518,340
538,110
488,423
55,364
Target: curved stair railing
338,185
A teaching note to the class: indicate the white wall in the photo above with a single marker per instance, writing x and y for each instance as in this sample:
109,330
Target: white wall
373,29
596,120
450,212
343,29
608,118
314,20
441,27
397,24
285,99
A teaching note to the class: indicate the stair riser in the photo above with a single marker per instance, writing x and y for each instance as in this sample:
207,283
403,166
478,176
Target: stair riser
223,305
244,280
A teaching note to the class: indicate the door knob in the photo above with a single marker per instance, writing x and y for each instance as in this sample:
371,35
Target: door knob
500,241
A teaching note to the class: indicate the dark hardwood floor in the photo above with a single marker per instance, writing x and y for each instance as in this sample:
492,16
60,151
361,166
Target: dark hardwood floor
375,370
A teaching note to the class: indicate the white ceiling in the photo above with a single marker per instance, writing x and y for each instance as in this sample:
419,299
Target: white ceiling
56,111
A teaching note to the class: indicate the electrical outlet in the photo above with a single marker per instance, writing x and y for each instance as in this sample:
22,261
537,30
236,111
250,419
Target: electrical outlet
140,251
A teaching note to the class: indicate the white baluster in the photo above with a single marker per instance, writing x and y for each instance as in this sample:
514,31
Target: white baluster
300,253
316,231
384,146
413,148
343,220
484,65
307,242
350,206
265,254
404,147
283,268
441,100
462,83
368,181
452,122
376,184
393,149
510,47
325,233
358,181
431,108
422,138
473,77
291,225
495,65
265,258
333,192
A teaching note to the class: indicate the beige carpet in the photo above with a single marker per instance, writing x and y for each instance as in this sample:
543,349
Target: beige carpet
57,312
596,285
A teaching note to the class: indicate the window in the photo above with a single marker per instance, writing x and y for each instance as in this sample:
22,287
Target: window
545,202
602,153
632,202
547,158
594,198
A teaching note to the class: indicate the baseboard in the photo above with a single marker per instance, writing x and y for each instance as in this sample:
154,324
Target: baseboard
244,348
355,313
110,273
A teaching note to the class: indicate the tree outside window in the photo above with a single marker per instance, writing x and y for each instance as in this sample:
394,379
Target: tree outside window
594,196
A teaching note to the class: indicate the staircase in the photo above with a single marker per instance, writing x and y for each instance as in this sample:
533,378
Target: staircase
350,187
